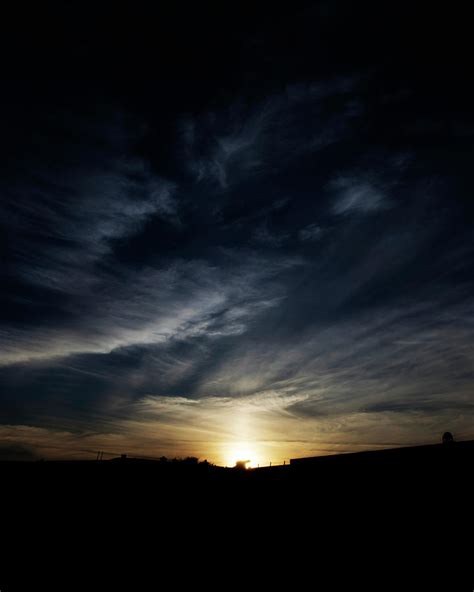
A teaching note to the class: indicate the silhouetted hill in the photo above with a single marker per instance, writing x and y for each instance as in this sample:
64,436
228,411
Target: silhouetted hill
438,466
394,510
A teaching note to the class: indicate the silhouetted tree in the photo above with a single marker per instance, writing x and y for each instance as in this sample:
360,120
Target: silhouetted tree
448,438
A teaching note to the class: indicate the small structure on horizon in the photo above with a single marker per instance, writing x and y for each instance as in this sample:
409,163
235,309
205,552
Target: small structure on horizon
241,464
448,438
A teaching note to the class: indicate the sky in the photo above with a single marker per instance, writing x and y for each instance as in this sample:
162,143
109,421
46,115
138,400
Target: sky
230,230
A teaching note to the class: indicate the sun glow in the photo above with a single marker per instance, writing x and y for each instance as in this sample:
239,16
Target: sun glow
241,451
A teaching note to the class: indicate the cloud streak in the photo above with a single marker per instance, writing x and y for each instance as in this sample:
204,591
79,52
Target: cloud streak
241,142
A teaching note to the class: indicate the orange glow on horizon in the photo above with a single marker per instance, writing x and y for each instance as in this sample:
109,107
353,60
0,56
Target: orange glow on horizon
242,451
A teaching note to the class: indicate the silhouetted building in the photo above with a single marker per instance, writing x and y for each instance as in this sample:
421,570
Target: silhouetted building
241,464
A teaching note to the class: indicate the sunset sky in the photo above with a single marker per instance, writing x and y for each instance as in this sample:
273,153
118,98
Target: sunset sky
235,229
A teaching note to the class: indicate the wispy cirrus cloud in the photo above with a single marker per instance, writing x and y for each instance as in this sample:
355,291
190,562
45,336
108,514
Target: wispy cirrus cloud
354,195
286,288
391,376
64,217
225,147
153,305
311,232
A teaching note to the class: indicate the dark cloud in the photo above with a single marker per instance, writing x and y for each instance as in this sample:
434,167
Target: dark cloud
421,406
16,452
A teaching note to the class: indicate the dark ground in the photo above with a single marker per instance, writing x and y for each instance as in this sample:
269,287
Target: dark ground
388,517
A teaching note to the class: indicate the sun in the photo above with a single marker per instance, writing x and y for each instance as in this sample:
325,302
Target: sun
240,451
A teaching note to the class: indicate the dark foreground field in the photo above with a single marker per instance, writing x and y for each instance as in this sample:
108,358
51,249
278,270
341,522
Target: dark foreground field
388,517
